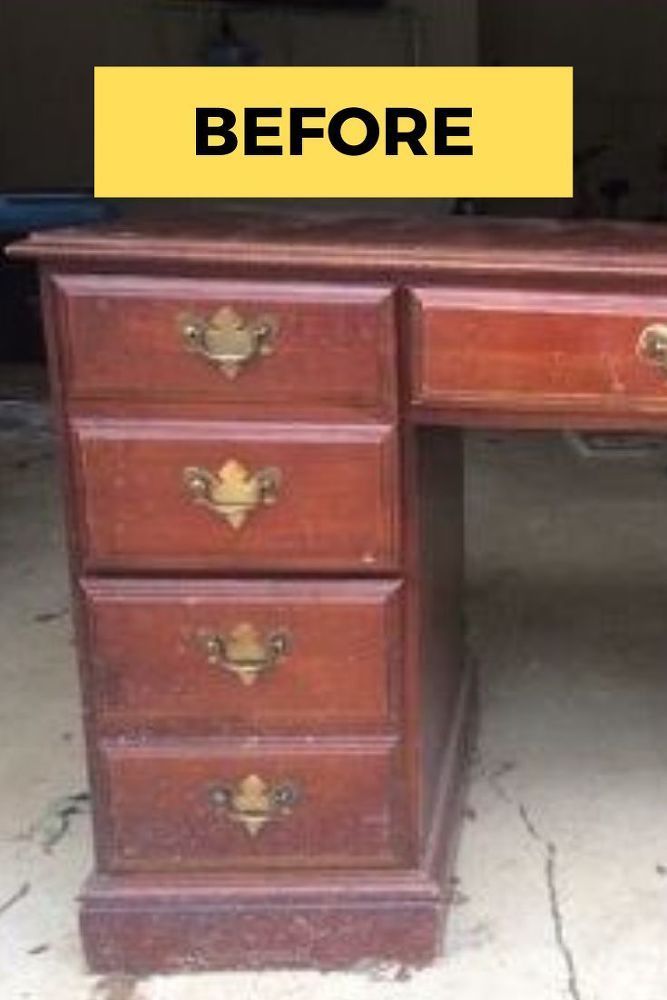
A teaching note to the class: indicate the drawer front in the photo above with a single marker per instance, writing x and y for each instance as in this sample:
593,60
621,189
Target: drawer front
213,657
200,495
200,340
517,351
180,808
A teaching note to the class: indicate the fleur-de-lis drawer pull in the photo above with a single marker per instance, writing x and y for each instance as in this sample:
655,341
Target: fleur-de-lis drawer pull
228,341
254,802
232,493
243,652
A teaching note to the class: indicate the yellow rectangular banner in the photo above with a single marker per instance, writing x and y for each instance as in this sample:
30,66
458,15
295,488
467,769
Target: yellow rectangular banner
335,131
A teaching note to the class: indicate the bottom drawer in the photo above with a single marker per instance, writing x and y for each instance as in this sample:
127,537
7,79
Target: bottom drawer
180,807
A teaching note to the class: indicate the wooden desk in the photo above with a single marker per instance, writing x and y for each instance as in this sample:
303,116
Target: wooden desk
261,437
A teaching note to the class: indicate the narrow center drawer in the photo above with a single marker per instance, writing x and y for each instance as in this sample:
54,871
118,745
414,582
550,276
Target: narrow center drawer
502,350
215,657
199,495
229,342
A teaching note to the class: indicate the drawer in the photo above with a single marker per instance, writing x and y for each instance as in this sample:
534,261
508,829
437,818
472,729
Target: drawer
227,342
216,656
503,350
195,495
185,808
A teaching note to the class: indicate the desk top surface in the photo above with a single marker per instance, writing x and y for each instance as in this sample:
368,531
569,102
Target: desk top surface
312,240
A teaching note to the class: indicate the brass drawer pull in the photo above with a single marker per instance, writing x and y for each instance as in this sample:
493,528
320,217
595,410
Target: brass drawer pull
233,493
228,341
243,653
652,345
253,802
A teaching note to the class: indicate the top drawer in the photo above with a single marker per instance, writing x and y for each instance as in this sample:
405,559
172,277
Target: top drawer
514,352
192,340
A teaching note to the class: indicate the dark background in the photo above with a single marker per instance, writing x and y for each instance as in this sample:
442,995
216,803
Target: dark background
48,49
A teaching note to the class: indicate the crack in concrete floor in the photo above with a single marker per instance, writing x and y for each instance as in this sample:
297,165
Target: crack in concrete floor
15,898
550,851
573,704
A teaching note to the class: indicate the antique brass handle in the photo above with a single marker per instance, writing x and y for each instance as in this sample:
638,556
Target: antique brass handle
253,802
652,345
227,340
233,493
243,653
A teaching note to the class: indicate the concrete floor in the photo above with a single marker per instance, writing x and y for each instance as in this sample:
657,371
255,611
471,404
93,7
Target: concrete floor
563,865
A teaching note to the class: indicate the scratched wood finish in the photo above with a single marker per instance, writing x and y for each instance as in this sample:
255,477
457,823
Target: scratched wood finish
340,672
159,815
122,339
335,510
178,924
494,323
399,248
498,350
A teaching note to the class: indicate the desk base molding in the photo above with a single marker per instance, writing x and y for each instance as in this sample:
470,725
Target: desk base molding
141,925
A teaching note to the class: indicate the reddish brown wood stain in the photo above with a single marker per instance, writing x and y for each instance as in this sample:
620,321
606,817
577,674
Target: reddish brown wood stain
384,327
161,816
334,345
516,351
341,671
335,507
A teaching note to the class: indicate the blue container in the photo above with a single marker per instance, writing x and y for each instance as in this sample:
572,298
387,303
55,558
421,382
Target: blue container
21,340
22,213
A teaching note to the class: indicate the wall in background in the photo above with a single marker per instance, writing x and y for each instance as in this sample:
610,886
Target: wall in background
48,49
617,48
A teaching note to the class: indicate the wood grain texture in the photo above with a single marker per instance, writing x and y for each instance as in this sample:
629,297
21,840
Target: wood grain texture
517,352
121,339
459,323
145,923
329,931
395,248
159,815
341,672
336,507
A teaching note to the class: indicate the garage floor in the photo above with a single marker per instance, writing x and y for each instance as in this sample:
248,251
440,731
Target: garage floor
563,869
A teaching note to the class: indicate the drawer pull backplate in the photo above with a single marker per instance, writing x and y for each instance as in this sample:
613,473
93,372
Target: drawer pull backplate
652,345
228,341
254,802
243,652
233,493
